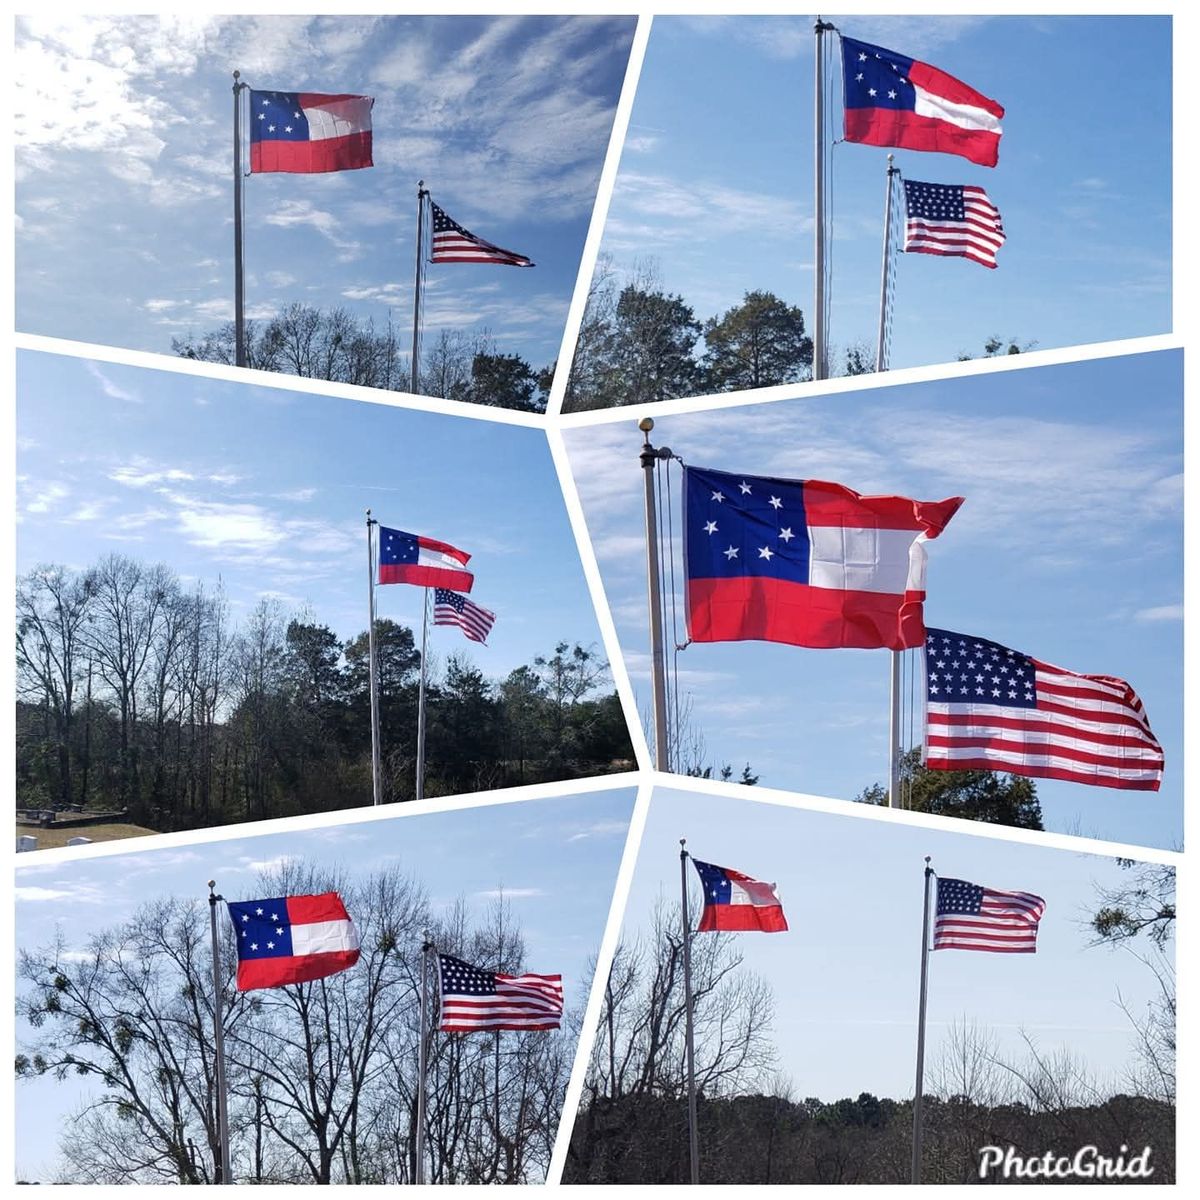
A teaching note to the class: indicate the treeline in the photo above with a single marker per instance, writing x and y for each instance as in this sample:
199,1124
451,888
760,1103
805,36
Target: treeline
137,693
640,343
758,1139
321,1076
632,1123
332,344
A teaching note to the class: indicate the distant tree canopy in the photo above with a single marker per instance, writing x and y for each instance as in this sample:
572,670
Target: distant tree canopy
321,1076
989,796
639,343
995,347
138,693
314,343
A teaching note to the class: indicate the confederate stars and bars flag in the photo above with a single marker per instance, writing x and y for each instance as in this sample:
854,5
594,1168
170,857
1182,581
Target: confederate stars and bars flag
292,939
893,100
473,999
971,917
805,562
421,561
994,709
309,132
452,243
734,902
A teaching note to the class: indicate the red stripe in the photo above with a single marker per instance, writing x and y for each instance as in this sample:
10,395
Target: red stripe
987,723
1042,772
347,153
447,577
983,262
755,608
948,945
305,910
498,1025
742,918
897,127
295,968
834,504
444,548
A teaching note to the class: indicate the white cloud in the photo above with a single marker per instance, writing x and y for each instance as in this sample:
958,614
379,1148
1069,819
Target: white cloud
111,389
527,893
1161,612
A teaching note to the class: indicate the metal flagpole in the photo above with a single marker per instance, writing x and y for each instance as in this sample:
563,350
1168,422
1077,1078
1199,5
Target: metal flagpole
219,1038
415,366
918,1095
880,351
693,1131
894,755
649,455
239,276
819,367
420,788
422,1059
894,735
376,773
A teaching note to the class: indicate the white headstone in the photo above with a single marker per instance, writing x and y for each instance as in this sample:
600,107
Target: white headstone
26,842
79,841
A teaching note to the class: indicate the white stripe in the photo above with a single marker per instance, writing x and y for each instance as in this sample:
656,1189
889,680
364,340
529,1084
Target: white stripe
965,116
754,893
985,715
324,937
435,558
338,118
863,560
1035,738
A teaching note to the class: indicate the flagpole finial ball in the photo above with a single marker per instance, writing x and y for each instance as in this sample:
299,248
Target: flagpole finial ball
212,883
646,424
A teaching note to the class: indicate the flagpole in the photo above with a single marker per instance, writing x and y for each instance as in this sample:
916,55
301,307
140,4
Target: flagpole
820,367
420,788
894,755
918,1094
225,1176
649,455
376,774
415,366
689,1033
880,354
422,1059
239,276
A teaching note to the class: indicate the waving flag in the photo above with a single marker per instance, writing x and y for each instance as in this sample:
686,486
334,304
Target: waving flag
892,100
449,608
309,132
734,902
970,917
292,939
454,244
990,708
410,558
804,562
952,219
474,999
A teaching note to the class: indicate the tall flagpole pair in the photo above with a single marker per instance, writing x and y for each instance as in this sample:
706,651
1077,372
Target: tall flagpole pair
414,385
427,948
372,654
919,1091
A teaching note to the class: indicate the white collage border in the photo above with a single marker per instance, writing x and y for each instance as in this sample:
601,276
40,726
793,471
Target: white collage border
1186,25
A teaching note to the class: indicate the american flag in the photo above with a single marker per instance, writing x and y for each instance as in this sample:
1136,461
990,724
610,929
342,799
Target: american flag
451,608
971,917
454,244
993,709
953,219
474,999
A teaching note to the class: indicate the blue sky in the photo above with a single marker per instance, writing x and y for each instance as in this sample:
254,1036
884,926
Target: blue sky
1069,548
715,181
265,489
124,136
845,976
555,859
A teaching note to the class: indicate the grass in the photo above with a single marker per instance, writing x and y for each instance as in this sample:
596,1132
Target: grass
52,839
